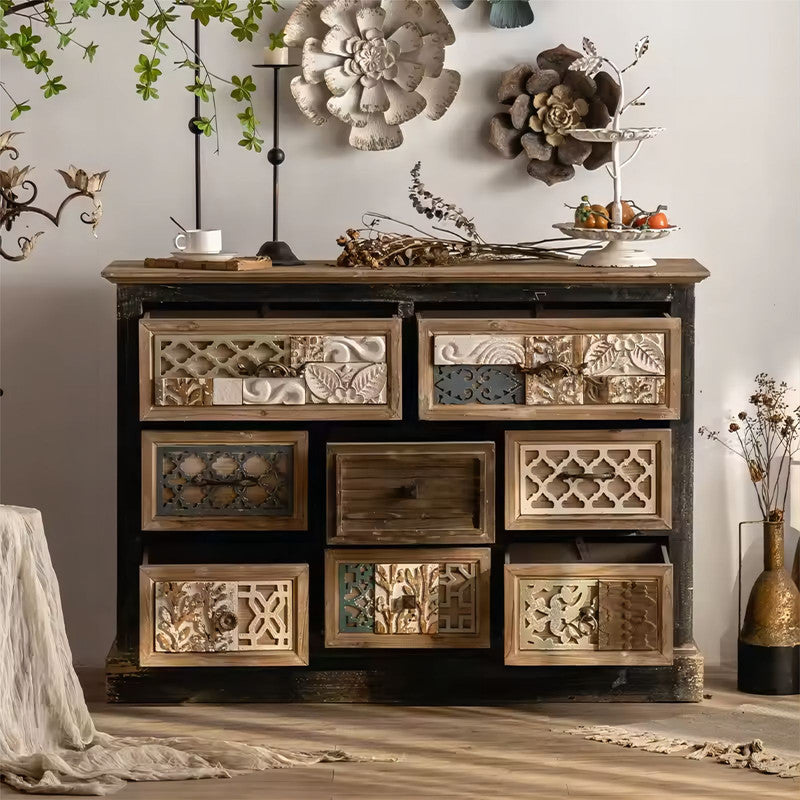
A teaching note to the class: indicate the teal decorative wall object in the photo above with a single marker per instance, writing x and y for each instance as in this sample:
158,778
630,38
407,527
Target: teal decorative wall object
505,13
357,598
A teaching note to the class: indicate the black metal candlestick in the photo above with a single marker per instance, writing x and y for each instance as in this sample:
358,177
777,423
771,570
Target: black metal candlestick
280,252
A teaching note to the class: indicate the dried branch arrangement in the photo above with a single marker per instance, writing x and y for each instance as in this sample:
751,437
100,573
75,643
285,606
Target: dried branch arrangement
370,246
766,438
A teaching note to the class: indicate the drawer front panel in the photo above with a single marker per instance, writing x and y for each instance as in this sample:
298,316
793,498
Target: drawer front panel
588,479
588,614
413,598
270,369
204,615
411,493
549,368
228,480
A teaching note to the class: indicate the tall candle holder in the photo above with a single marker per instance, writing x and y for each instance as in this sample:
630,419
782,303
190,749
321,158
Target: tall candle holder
280,252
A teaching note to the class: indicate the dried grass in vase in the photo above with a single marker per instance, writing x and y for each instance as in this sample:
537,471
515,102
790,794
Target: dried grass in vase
370,246
766,438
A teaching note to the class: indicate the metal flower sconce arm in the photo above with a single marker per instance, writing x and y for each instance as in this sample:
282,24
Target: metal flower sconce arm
372,64
14,181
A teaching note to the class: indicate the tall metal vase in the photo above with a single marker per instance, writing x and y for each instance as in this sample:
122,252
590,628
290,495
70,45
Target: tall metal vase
769,641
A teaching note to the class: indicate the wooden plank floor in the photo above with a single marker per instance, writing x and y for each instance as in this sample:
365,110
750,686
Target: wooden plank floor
450,752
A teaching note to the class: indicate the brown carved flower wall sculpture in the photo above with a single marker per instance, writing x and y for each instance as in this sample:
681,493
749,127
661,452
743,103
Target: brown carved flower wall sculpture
546,103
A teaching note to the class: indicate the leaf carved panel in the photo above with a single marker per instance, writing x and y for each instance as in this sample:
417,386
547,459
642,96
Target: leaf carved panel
624,354
346,383
406,598
558,614
183,392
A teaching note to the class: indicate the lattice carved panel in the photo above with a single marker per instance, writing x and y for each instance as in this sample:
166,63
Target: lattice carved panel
558,614
588,479
628,615
266,615
198,356
194,480
406,598
458,585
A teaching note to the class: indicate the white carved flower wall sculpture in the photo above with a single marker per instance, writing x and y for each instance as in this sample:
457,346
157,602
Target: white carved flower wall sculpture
373,64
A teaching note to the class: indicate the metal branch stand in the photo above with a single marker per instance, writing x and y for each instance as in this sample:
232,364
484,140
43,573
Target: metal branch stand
280,252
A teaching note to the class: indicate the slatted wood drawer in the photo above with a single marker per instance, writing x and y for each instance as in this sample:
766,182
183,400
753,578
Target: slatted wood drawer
572,368
583,480
218,615
224,480
589,614
269,369
416,598
411,493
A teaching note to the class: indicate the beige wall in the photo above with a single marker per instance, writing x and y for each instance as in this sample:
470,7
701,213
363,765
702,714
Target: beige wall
725,84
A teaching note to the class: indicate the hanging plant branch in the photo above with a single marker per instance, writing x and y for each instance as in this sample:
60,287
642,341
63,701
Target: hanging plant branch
32,31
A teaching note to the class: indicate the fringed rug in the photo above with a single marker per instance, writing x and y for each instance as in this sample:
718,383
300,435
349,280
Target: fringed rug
749,755
48,742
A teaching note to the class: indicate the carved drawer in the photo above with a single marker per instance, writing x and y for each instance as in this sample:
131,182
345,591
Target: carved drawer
588,614
581,368
224,480
588,479
415,598
411,493
223,615
269,369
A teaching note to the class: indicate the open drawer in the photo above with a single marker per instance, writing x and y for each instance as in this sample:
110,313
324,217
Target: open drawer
269,369
599,610
541,368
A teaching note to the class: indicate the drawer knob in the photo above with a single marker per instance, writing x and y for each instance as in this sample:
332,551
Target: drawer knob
592,476
411,491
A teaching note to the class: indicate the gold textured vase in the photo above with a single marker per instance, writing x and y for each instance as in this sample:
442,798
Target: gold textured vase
772,618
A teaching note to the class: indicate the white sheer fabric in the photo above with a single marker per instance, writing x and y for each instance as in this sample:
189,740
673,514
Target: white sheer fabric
48,742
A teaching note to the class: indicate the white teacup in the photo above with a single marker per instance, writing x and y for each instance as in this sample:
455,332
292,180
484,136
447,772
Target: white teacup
199,241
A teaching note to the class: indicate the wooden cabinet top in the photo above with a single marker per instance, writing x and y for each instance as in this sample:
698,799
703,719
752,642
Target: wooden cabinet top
666,271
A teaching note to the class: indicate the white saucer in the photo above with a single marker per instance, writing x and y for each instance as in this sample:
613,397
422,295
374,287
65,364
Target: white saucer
203,256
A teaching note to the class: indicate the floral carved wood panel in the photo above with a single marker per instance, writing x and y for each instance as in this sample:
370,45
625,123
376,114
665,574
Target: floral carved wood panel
223,616
406,598
558,614
588,479
194,480
183,392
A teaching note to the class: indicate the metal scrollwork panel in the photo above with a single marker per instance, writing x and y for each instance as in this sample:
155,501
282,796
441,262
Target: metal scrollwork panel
484,385
196,480
558,614
356,597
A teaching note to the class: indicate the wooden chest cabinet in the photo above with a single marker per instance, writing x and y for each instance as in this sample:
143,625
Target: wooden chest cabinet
309,464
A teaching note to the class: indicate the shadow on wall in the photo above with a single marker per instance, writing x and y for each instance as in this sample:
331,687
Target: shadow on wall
60,453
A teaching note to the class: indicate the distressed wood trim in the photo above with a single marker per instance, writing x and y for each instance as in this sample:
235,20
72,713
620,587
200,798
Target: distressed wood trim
483,531
389,327
297,440
150,575
662,519
479,639
515,656
666,271
428,327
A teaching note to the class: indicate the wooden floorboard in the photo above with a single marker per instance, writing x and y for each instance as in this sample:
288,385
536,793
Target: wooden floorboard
447,752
